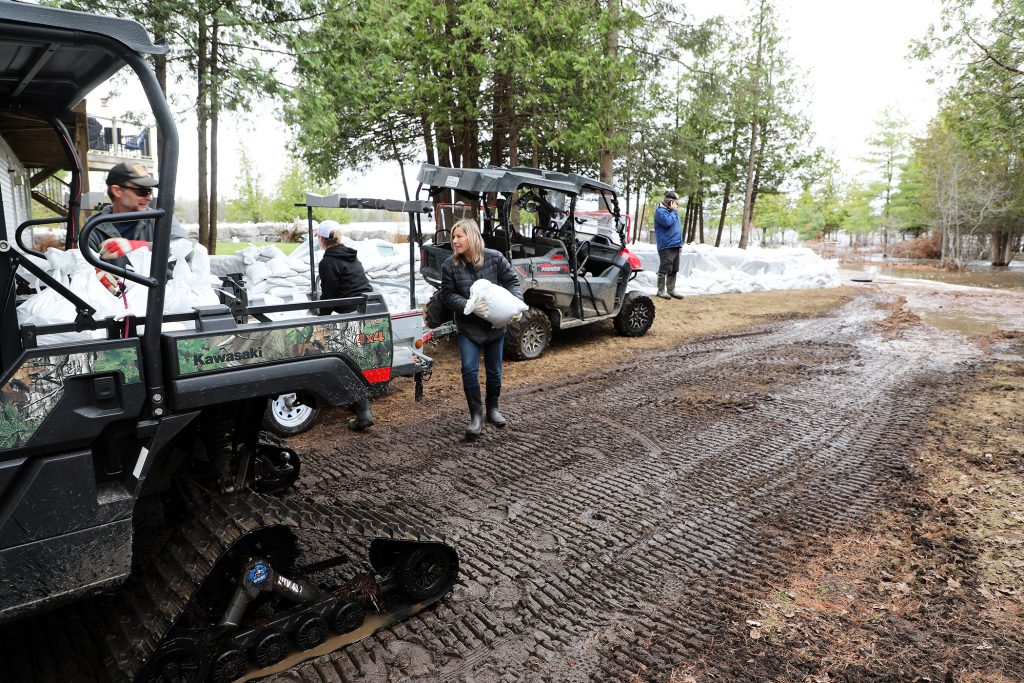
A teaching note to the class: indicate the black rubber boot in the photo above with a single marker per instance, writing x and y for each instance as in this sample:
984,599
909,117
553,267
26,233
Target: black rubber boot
493,416
476,413
363,419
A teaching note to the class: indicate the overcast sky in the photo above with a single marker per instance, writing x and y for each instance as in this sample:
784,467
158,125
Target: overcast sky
854,53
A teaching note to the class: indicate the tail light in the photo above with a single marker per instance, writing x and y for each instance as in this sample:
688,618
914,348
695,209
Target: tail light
634,260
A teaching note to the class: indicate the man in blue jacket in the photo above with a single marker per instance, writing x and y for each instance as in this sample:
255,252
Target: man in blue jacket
669,231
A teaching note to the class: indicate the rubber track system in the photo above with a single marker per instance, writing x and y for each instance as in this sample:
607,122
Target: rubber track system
110,639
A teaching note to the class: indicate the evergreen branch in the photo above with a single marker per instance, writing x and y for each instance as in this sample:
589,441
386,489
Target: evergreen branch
992,57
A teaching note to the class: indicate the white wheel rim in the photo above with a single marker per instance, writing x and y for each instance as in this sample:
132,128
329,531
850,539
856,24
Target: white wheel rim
288,412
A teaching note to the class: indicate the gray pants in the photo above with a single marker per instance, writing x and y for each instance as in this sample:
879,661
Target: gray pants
668,261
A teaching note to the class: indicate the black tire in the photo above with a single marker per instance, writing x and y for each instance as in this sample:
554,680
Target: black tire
182,659
271,648
427,571
437,313
347,616
286,415
529,337
311,632
636,315
228,666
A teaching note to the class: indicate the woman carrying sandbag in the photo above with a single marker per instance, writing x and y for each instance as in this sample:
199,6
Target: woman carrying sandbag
480,315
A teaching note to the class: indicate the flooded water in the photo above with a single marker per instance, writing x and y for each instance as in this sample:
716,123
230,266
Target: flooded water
979,300
976,274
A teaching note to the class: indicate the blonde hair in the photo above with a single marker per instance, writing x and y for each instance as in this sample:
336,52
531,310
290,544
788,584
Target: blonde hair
475,249
334,239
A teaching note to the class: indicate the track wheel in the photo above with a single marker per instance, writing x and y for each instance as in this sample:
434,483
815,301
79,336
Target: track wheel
179,660
271,648
311,632
228,666
347,616
427,571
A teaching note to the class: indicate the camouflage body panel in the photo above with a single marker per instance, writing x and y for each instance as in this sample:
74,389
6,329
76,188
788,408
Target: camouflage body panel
30,393
367,342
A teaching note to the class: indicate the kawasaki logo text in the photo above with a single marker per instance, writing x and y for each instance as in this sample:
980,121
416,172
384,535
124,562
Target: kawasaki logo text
202,360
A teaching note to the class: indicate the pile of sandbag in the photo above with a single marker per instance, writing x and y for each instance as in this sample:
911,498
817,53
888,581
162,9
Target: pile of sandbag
191,286
704,269
273,277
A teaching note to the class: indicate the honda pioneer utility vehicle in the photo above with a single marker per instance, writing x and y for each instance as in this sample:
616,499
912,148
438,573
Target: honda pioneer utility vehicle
138,539
563,234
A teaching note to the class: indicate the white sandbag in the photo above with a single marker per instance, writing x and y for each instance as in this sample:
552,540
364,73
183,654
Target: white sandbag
502,304
190,286
279,267
257,272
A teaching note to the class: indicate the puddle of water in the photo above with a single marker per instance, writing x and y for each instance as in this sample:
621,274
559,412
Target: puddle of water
959,322
975,274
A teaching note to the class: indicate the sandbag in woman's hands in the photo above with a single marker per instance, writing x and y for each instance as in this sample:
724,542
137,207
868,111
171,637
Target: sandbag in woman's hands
493,303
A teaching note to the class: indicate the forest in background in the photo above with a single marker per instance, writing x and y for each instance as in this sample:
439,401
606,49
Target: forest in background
632,92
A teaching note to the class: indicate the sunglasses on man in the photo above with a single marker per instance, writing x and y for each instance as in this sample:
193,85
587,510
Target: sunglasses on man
139,191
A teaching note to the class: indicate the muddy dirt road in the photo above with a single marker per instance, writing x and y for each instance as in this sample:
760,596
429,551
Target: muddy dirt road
645,504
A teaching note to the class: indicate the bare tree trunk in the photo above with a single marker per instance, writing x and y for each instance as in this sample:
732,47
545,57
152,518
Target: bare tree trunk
607,161
748,196
428,140
202,114
214,121
498,119
1000,255
700,217
721,218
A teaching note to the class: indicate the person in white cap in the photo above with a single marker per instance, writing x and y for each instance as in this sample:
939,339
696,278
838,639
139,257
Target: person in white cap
341,273
342,276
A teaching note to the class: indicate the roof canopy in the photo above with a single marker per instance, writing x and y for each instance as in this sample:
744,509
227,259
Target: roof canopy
50,58
506,180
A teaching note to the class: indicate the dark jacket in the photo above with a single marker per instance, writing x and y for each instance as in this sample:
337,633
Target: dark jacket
341,276
668,228
455,284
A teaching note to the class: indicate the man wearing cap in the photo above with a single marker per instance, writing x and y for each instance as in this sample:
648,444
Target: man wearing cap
669,232
130,188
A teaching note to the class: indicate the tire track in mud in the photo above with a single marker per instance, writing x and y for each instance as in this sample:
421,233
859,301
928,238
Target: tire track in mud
591,550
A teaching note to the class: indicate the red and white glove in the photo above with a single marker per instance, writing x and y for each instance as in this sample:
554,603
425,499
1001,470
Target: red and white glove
113,283
116,247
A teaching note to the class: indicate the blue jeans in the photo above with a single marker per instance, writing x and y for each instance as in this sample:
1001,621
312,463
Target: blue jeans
469,350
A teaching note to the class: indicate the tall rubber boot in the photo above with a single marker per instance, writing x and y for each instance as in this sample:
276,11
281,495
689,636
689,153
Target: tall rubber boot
363,419
661,287
476,413
493,416
671,286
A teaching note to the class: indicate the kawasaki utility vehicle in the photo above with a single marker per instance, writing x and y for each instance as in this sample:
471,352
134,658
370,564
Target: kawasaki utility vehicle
140,535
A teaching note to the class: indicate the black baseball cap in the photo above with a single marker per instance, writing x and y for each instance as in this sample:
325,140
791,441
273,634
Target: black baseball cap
671,194
126,172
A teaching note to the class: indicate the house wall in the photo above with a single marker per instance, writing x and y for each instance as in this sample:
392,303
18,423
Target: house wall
15,188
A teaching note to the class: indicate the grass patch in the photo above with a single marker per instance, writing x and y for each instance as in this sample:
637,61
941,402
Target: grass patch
228,248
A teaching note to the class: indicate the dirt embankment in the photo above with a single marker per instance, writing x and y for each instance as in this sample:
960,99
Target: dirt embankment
921,584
